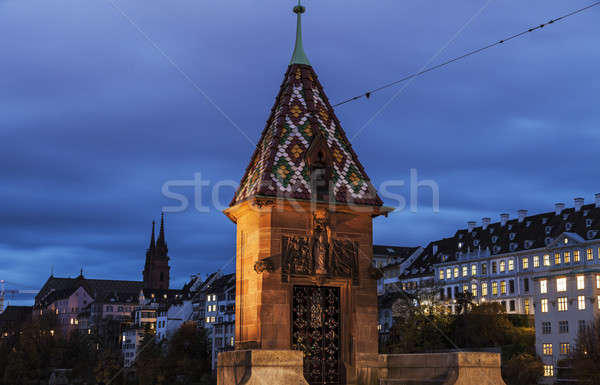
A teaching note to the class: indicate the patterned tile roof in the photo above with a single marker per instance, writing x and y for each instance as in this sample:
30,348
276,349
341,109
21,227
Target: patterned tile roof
279,167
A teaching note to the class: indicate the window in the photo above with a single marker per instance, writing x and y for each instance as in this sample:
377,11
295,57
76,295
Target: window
567,257
484,269
512,305
448,273
563,327
561,284
494,268
557,258
547,349
511,286
456,272
580,282
474,289
494,288
441,274
543,286
207,319
511,264
473,269
536,261
546,260
484,290
544,305
526,284
563,304
449,291
576,257
590,254
598,282
581,325
465,288
526,305
503,287
546,328
548,371
465,271
598,300
565,348
581,302
502,266
525,263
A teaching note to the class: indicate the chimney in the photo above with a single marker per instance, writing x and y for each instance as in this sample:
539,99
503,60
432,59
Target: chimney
486,222
597,200
471,225
503,219
578,204
558,208
522,215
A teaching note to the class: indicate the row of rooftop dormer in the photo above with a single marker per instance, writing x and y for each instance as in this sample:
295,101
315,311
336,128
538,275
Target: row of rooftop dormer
504,217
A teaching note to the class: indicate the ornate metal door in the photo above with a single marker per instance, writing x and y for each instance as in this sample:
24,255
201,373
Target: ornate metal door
316,331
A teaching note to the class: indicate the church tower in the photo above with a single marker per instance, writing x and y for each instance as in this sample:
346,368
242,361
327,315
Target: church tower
156,269
304,211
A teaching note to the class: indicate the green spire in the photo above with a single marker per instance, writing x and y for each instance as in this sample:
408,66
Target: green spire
299,56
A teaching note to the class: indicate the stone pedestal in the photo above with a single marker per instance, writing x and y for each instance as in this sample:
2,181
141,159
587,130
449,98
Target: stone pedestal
260,367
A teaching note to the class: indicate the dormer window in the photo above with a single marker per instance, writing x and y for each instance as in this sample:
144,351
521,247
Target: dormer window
528,244
528,223
588,222
513,246
592,234
568,226
510,227
548,229
586,212
474,234
512,236
565,217
544,221
491,230
497,249
476,242
494,239
548,241
460,244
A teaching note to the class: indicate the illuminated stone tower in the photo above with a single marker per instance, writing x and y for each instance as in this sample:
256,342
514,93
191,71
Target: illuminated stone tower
304,213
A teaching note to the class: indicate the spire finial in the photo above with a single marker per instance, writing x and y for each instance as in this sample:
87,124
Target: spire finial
299,56
151,247
160,242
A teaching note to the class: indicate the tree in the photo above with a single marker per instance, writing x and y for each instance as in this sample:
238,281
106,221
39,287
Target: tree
522,369
189,358
586,355
149,365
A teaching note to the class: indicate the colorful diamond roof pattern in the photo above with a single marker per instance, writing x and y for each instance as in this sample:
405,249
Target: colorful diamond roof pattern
278,166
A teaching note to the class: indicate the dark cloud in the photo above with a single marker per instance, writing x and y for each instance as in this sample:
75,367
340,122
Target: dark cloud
93,120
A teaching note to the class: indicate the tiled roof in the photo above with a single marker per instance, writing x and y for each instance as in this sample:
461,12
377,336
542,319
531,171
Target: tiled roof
14,314
220,284
279,167
59,288
531,232
394,251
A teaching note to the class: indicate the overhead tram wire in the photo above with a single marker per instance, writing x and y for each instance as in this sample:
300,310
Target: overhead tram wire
369,93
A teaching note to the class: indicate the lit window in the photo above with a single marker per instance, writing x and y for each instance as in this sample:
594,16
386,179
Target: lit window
562,304
598,282
494,288
484,290
543,286
590,254
567,257
565,348
465,271
557,259
580,282
441,274
544,305
581,302
502,266
547,349
576,257
207,319
503,287
511,264
474,289
448,273
526,305
546,260
525,263
598,300
456,272
561,284
548,371
465,288
536,261
473,269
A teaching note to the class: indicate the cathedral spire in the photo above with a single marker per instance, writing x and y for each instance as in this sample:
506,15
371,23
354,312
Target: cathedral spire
161,244
299,56
152,243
